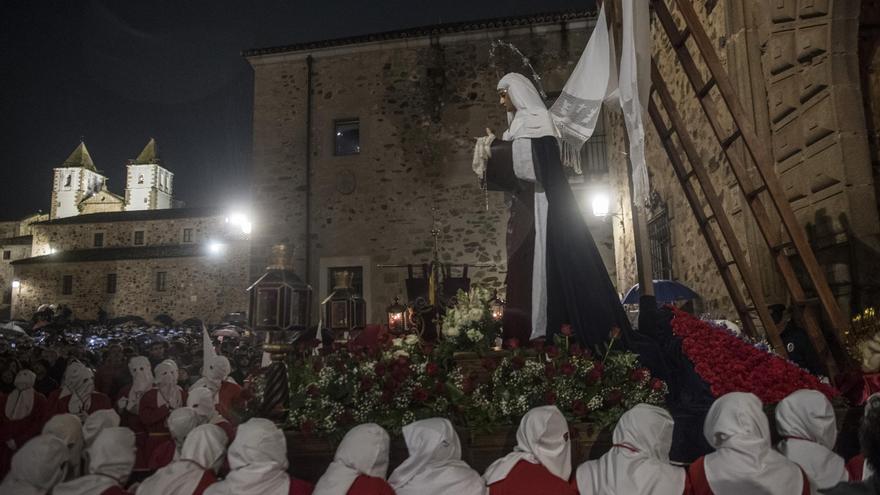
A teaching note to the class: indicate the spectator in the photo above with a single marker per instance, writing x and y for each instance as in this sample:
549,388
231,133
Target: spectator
111,458
22,414
37,467
200,459
258,463
68,429
541,460
434,464
743,461
638,462
360,464
805,420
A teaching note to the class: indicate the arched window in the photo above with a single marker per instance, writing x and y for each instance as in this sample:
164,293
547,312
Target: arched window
141,179
68,180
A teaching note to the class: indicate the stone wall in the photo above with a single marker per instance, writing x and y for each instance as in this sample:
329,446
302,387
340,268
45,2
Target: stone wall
68,236
420,103
206,287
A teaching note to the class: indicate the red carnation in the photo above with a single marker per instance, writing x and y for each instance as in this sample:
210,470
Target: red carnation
420,395
577,350
517,362
513,343
467,385
566,330
402,361
638,374
614,398
595,374
366,384
489,364
567,369
552,351
550,397
379,369
317,366
313,391
387,396
440,388
307,426
549,370
579,408
431,369
656,384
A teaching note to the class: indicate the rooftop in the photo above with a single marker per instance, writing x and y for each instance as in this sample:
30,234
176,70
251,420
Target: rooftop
80,157
136,216
22,240
431,30
116,254
149,155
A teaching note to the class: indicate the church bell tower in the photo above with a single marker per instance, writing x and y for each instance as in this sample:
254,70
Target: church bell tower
75,179
148,184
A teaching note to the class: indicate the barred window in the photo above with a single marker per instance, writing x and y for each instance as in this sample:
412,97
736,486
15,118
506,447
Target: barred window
111,283
161,281
661,246
67,285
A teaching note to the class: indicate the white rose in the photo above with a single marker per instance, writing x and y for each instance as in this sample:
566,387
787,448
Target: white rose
397,342
451,332
400,353
474,335
411,339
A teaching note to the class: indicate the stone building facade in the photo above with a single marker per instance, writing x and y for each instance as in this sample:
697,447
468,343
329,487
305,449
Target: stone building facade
419,97
416,99
795,64
15,244
183,262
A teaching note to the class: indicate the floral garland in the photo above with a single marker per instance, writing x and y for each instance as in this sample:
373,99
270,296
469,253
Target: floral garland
729,364
406,380
585,388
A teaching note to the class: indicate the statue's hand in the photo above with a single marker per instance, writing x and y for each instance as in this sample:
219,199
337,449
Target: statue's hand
489,133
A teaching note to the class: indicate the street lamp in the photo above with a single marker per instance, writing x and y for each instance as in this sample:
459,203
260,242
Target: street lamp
601,204
396,313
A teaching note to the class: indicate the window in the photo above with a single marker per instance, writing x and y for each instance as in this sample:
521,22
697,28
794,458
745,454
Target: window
68,180
7,254
661,246
347,136
67,285
141,179
594,160
187,235
138,237
111,283
99,240
161,281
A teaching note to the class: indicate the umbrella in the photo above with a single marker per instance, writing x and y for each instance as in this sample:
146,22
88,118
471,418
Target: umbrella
666,291
13,330
226,332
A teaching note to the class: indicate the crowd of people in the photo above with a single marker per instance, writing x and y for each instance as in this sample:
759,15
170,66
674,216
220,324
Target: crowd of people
160,435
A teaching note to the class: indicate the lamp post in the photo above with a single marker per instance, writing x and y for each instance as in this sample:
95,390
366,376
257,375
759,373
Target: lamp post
280,303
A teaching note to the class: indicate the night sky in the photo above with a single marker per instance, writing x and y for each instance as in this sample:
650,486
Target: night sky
119,72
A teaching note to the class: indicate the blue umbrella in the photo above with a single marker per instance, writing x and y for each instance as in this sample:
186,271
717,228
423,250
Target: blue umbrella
666,291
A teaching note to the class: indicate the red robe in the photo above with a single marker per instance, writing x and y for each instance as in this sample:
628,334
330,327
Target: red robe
133,422
368,485
300,487
228,400
532,479
152,417
207,480
60,405
855,467
19,430
698,484
115,490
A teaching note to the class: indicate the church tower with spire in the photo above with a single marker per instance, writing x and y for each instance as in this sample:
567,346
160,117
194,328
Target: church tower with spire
148,184
76,179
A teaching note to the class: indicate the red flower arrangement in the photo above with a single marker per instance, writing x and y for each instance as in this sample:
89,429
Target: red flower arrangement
730,364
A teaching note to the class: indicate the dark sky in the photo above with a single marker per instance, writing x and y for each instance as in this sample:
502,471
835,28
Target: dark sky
120,72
